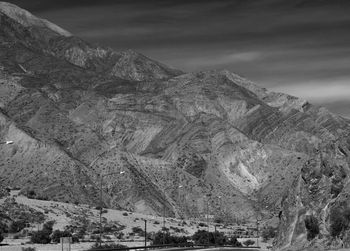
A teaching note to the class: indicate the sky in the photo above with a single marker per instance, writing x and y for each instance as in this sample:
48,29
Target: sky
299,47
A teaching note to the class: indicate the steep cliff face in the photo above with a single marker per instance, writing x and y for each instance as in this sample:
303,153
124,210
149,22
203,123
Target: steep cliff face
76,111
315,215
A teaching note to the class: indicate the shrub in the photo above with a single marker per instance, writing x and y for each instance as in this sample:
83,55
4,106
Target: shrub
268,233
3,227
1,237
125,214
120,235
339,218
160,238
17,226
57,234
311,224
203,237
108,246
28,249
138,230
48,226
41,237
95,237
31,194
248,243
234,242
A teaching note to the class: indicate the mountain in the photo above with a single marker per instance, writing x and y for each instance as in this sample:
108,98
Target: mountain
76,111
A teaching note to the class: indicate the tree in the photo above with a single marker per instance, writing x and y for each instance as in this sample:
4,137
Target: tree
203,237
248,243
1,237
160,237
43,236
3,227
17,226
48,226
57,234
108,246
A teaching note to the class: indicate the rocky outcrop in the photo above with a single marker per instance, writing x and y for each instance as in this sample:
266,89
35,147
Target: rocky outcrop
318,193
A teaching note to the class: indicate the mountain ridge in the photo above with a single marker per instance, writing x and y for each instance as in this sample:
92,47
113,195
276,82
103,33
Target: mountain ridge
76,111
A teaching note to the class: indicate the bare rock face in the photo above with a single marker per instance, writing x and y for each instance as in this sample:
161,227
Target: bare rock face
319,198
77,112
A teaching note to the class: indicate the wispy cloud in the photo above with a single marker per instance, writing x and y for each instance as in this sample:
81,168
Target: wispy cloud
301,47
220,60
333,93
319,91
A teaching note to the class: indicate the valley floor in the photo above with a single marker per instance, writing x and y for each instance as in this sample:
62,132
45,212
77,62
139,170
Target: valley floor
64,213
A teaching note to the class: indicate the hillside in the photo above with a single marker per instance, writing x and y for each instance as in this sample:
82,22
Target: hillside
76,111
123,227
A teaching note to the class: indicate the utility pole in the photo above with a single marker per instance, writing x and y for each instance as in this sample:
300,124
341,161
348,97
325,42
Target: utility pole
163,224
145,234
257,231
215,234
101,177
208,218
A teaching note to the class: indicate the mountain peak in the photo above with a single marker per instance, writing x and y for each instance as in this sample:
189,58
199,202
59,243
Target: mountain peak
28,20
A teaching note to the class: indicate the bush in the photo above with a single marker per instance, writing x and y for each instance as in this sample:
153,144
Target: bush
138,230
268,233
3,227
31,194
311,224
160,238
48,226
57,234
28,249
339,218
120,235
203,237
96,246
125,214
41,237
248,243
17,226
234,242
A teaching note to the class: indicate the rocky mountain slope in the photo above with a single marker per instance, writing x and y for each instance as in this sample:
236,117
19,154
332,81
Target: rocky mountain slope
184,140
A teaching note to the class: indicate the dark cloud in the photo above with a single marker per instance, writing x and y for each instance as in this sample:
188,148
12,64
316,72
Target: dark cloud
289,46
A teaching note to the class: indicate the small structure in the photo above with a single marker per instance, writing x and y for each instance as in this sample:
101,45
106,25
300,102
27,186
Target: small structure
65,243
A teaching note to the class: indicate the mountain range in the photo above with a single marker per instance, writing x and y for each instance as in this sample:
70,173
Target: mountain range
162,140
